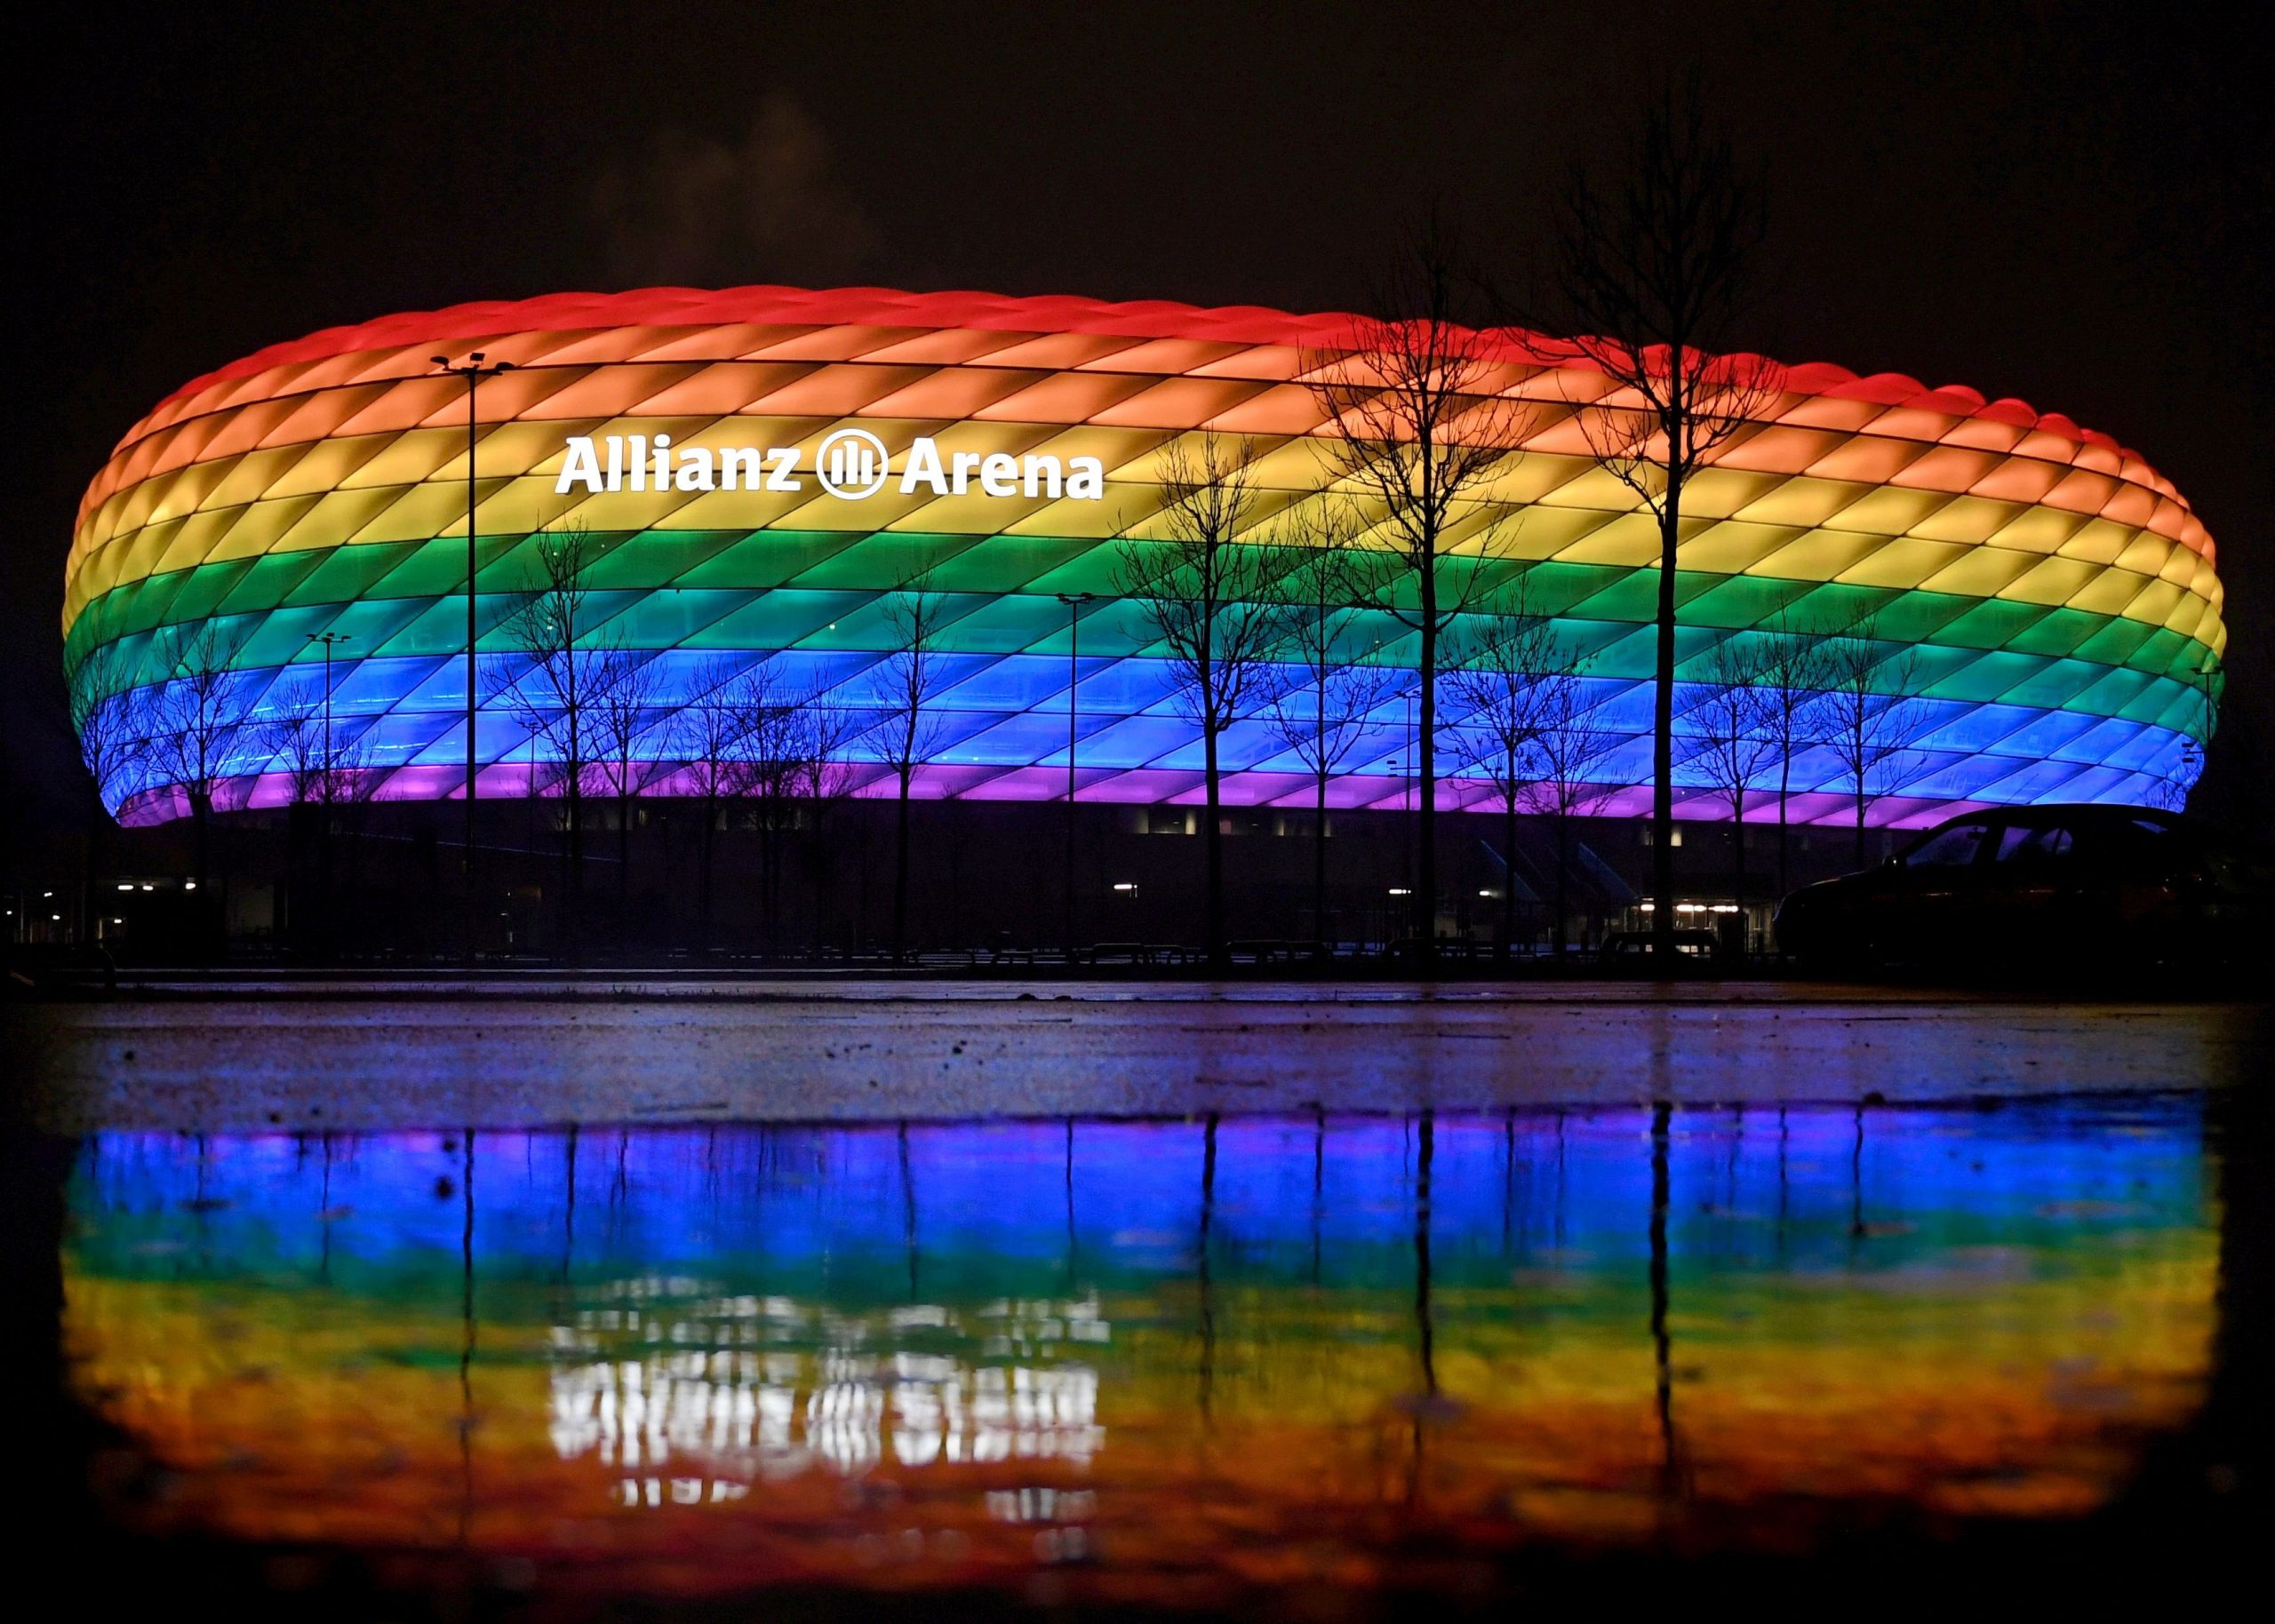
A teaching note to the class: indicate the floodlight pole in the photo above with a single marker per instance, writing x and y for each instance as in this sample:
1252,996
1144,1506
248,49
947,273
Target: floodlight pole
1074,601
474,371
330,639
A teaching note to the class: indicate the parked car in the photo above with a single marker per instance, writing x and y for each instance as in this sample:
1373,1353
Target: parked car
1626,946
2036,884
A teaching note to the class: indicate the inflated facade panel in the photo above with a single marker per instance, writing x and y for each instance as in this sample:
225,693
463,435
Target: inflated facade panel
2059,597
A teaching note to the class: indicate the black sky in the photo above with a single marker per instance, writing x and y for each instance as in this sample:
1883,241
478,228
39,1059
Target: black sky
2069,203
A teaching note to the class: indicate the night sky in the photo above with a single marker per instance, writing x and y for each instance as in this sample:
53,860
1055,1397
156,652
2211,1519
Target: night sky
2069,203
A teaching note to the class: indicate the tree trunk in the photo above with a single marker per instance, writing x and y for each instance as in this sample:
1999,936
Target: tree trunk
765,877
205,920
702,905
577,832
1860,820
1509,878
1563,868
1426,883
1737,863
900,876
572,863
1319,866
769,875
1663,739
822,871
1218,956
1785,786
623,851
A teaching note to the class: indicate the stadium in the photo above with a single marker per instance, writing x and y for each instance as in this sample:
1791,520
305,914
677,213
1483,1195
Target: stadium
298,520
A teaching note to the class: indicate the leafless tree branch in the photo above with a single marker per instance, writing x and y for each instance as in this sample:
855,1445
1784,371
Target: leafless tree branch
1421,419
1208,590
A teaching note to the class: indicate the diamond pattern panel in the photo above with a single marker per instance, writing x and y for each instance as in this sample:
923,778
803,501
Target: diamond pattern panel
2061,596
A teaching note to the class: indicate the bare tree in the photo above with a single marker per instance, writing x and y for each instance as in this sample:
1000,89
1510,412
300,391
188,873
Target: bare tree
707,736
1498,689
749,733
1791,677
103,700
101,689
556,692
292,738
1322,709
820,736
1207,590
771,763
2169,793
909,682
1418,426
628,684
1869,713
326,767
2177,783
787,748
1570,748
348,786
1654,265
325,760
1733,741
200,719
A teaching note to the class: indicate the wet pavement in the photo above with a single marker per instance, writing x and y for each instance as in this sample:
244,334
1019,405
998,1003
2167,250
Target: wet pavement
522,1054
1315,1306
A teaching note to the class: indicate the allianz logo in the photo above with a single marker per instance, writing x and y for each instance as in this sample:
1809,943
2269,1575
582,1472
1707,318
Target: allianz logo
850,464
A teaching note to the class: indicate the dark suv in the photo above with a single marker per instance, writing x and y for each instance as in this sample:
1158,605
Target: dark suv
2053,883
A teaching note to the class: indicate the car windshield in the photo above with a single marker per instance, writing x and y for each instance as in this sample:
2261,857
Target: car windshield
1953,847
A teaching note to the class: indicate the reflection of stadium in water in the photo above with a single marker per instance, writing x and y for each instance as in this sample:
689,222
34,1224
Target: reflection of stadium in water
1188,1353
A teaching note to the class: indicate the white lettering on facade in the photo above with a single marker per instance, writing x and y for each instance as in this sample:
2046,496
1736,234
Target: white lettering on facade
854,465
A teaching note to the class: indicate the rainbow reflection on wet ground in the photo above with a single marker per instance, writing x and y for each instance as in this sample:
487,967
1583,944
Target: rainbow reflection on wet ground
1157,1361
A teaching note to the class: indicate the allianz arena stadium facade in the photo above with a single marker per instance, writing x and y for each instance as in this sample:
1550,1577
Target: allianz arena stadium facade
2058,597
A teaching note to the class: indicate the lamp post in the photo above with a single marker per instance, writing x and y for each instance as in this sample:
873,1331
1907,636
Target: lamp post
1074,601
330,640
474,371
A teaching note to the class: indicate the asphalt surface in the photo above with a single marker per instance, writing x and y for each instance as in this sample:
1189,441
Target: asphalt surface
436,1052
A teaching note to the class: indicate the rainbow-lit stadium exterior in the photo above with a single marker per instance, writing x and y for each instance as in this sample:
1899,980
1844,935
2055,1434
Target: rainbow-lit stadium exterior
2059,594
